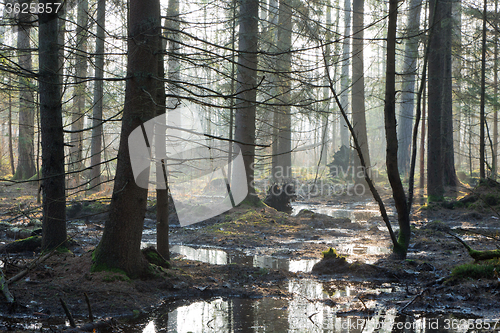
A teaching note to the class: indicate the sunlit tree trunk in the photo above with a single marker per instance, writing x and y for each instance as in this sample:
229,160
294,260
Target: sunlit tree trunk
120,245
408,86
54,200
26,151
358,84
96,142
284,68
344,78
482,122
449,173
162,202
457,79
272,32
326,92
78,109
494,164
11,149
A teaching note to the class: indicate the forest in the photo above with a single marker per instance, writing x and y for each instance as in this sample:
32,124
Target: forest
249,165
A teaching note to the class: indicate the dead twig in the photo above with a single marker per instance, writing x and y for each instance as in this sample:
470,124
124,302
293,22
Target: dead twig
413,300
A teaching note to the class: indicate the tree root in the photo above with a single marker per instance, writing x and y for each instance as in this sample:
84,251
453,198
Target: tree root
475,254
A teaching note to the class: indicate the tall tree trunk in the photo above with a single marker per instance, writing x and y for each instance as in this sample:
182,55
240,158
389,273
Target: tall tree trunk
78,110
358,85
482,122
54,200
284,69
11,149
26,151
247,81
435,170
457,78
422,144
120,246
96,142
273,39
408,85
391,161
162,201
344,78
449,173
494,164
326,92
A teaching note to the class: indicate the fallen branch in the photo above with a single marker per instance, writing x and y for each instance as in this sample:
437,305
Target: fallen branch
475,254
479,233
5,288
21,274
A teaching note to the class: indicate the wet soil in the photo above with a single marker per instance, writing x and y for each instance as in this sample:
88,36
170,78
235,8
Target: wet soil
423,278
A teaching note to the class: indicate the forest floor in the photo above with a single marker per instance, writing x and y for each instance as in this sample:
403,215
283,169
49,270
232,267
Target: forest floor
426,274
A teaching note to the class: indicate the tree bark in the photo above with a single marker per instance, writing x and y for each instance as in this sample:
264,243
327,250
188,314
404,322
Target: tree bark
482,122
162,201
494,162
11,149
96,142
26,149
344,78
422,144
449,173
246,88
398,192
408,86
54,200
284,68
435,170
456,45
78,110
358,85
326,92
120,246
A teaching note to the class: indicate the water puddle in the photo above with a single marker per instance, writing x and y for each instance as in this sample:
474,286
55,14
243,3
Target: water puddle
216,256
223,257
314,307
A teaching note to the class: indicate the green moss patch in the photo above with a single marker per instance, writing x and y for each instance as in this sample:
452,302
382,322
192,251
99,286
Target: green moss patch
155,258
23,245
481,270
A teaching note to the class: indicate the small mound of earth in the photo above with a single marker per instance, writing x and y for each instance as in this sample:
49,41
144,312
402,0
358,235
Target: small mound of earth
317,220
437,226
340,265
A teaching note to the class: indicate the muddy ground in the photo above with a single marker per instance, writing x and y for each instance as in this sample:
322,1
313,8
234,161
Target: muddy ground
425,274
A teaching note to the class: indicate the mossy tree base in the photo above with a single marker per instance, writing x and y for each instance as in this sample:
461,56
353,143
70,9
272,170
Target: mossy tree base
154,257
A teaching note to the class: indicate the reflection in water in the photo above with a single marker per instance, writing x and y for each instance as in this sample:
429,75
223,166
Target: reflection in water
312,308
297,315
222,257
